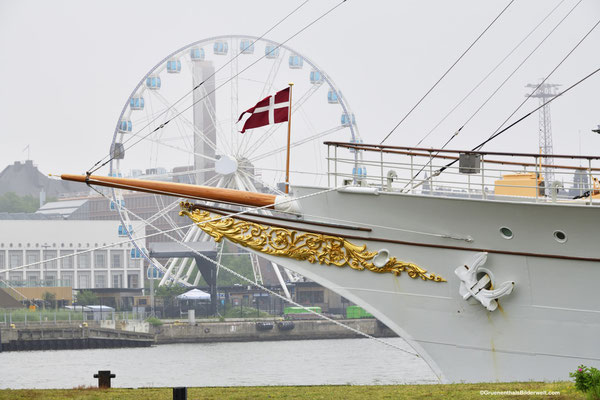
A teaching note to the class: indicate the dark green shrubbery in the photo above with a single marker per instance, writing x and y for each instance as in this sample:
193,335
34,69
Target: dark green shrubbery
587,379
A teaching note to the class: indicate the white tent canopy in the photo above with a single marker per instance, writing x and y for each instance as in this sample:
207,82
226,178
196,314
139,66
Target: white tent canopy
194,294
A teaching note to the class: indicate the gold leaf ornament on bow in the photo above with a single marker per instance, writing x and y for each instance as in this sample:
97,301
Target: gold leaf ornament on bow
311,247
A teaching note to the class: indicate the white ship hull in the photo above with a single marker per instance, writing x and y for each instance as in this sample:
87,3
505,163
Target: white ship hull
544,329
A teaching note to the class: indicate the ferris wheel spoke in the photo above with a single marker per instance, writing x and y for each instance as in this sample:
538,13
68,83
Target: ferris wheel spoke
174,113
298,143
197,132
158,215
166,216
268,86
211,180
244,177
255,178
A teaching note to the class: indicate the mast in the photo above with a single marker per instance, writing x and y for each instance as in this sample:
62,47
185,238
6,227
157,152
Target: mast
287,163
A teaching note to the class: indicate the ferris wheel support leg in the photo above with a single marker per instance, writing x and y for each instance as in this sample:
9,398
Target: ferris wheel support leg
280,279
209,273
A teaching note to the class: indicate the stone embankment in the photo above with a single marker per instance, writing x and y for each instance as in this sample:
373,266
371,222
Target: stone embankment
265,329
69,336
109,334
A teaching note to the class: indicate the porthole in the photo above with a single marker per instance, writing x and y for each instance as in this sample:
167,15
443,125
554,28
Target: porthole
560,236
506,233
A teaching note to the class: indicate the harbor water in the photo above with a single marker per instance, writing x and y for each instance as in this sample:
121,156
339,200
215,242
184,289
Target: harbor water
301,362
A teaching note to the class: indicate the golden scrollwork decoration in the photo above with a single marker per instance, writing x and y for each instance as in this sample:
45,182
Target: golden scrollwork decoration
311,247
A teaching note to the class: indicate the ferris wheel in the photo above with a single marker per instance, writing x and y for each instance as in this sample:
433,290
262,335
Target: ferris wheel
167,131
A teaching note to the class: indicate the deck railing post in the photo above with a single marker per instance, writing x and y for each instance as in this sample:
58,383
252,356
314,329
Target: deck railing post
482,178
469,185
381,156
591,180
537,187
328,166
412,174
335,174
430,173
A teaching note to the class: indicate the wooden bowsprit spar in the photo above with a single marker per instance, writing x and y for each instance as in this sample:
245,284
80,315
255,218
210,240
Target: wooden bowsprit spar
196,192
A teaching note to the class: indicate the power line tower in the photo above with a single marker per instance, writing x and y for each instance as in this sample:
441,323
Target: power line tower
544,92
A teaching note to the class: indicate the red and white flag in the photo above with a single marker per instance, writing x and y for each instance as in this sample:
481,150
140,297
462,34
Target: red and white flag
270,110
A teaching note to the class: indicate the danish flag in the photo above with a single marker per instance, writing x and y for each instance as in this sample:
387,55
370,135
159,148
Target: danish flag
270,110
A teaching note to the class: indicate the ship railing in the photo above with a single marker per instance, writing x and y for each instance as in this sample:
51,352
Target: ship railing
473,174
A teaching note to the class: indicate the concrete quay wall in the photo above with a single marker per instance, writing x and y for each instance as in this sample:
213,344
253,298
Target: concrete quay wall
241,331
73,336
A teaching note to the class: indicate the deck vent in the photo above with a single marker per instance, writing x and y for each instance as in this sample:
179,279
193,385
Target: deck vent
469,163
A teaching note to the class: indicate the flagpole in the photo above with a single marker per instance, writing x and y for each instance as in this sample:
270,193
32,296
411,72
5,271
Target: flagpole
287,165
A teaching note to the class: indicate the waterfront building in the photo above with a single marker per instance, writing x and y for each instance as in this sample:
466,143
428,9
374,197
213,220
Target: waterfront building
24,178
34,240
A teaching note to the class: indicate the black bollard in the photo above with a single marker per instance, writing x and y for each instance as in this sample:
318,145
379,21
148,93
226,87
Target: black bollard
179,393
104,378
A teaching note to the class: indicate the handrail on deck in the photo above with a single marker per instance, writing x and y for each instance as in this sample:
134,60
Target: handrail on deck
385,148
492,171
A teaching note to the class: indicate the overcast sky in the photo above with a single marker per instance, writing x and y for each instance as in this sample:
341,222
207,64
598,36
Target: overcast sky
68,67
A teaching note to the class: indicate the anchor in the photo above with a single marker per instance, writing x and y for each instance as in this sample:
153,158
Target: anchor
471,286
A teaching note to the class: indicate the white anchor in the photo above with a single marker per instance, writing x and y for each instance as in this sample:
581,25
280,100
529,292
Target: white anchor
470,286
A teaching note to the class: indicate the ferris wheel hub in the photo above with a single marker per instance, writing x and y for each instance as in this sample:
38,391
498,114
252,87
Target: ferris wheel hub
226,165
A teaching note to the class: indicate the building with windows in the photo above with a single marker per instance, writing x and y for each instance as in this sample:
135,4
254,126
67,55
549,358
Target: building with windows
93,255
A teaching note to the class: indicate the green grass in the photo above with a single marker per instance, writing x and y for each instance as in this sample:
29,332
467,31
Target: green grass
243,312
457,392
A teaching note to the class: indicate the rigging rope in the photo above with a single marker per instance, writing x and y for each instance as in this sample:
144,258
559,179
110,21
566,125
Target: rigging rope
261,287
251,209
447,71
490,73
498,131
210,76
97,167
221,266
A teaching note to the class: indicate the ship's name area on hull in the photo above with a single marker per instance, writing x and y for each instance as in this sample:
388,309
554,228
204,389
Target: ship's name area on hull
311,247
